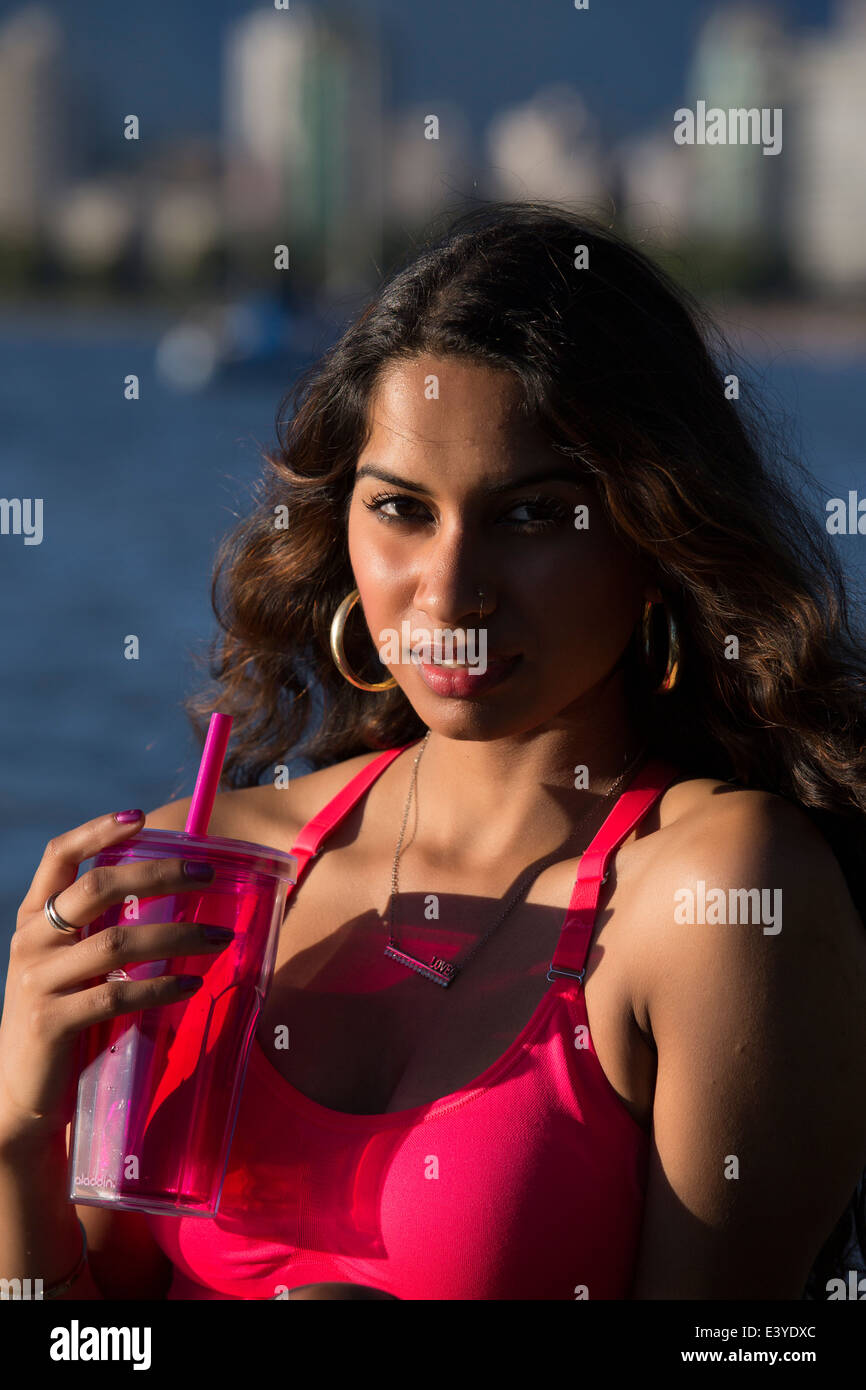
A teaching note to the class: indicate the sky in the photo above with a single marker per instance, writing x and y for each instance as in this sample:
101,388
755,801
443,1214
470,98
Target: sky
628,58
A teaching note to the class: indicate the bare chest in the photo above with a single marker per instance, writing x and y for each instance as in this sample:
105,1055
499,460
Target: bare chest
368,1036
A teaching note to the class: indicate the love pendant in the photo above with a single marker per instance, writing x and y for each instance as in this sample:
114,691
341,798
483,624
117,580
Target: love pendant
439,970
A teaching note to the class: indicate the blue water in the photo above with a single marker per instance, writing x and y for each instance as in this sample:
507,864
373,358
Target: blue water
136,496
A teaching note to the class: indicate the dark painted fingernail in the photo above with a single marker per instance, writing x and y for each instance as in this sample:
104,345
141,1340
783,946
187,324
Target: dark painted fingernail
202,872
127,817
219,933
188,984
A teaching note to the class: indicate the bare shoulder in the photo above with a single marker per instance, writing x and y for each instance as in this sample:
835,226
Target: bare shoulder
268,814
733,833
742,875
751,971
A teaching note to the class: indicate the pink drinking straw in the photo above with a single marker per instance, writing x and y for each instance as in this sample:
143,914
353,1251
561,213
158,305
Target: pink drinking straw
209,773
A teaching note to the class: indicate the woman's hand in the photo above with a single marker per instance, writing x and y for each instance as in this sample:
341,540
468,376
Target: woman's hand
56,984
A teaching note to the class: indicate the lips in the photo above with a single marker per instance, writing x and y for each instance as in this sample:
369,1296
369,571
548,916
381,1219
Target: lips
461,681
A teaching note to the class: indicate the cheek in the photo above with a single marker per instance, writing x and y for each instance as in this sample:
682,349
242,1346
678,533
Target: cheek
585,566
378,566
369,553
588,600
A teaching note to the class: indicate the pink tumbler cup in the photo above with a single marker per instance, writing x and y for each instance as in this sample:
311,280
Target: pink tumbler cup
159,1090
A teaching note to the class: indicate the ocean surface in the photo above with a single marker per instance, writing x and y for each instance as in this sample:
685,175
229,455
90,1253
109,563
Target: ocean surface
136,495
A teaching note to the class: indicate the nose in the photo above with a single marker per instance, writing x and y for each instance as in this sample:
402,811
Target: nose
453,588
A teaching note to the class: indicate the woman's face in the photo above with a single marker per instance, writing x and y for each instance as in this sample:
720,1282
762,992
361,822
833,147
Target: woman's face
482,501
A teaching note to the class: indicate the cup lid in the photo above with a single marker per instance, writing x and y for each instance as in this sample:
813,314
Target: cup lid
216,849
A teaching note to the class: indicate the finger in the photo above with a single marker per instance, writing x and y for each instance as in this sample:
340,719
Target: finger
105,885
61,857
128,943
65,1015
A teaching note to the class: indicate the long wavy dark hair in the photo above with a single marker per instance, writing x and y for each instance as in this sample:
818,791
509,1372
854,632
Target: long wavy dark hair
625,374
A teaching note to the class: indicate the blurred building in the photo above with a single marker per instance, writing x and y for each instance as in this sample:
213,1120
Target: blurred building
654,180
303,141
827,202
742,60
164,217
181,207
94,224
423,174
547,148
33,152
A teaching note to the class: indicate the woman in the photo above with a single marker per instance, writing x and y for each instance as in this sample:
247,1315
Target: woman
505,1080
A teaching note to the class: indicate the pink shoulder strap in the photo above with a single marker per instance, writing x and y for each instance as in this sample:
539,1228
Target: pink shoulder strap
569,958
310,838
570,954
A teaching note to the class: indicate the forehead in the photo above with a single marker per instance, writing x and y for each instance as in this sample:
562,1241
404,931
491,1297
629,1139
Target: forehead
447,401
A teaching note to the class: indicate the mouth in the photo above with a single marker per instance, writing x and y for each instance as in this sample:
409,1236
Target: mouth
438,659
462,680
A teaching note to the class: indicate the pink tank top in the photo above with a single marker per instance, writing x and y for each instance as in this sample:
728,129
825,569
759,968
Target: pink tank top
527,1183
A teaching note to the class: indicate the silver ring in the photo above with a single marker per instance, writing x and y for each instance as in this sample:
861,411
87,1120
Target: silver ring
54,916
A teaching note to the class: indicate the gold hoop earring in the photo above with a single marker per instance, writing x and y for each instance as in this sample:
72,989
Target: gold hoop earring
672,669
338,626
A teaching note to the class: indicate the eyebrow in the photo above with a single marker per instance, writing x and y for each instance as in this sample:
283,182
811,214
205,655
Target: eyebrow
558,475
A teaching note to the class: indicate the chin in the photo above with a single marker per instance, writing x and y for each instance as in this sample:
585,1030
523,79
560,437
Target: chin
476,721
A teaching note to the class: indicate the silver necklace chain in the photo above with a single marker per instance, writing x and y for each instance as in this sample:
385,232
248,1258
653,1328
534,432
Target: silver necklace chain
529,874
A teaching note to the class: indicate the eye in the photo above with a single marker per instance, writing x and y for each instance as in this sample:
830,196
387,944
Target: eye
383,499
549,511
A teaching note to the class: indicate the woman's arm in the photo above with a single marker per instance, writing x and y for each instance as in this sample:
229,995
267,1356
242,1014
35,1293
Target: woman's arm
39,1235
123,1256
759,1122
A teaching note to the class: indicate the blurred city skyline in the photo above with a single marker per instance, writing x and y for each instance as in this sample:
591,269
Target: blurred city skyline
314,149
115,49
